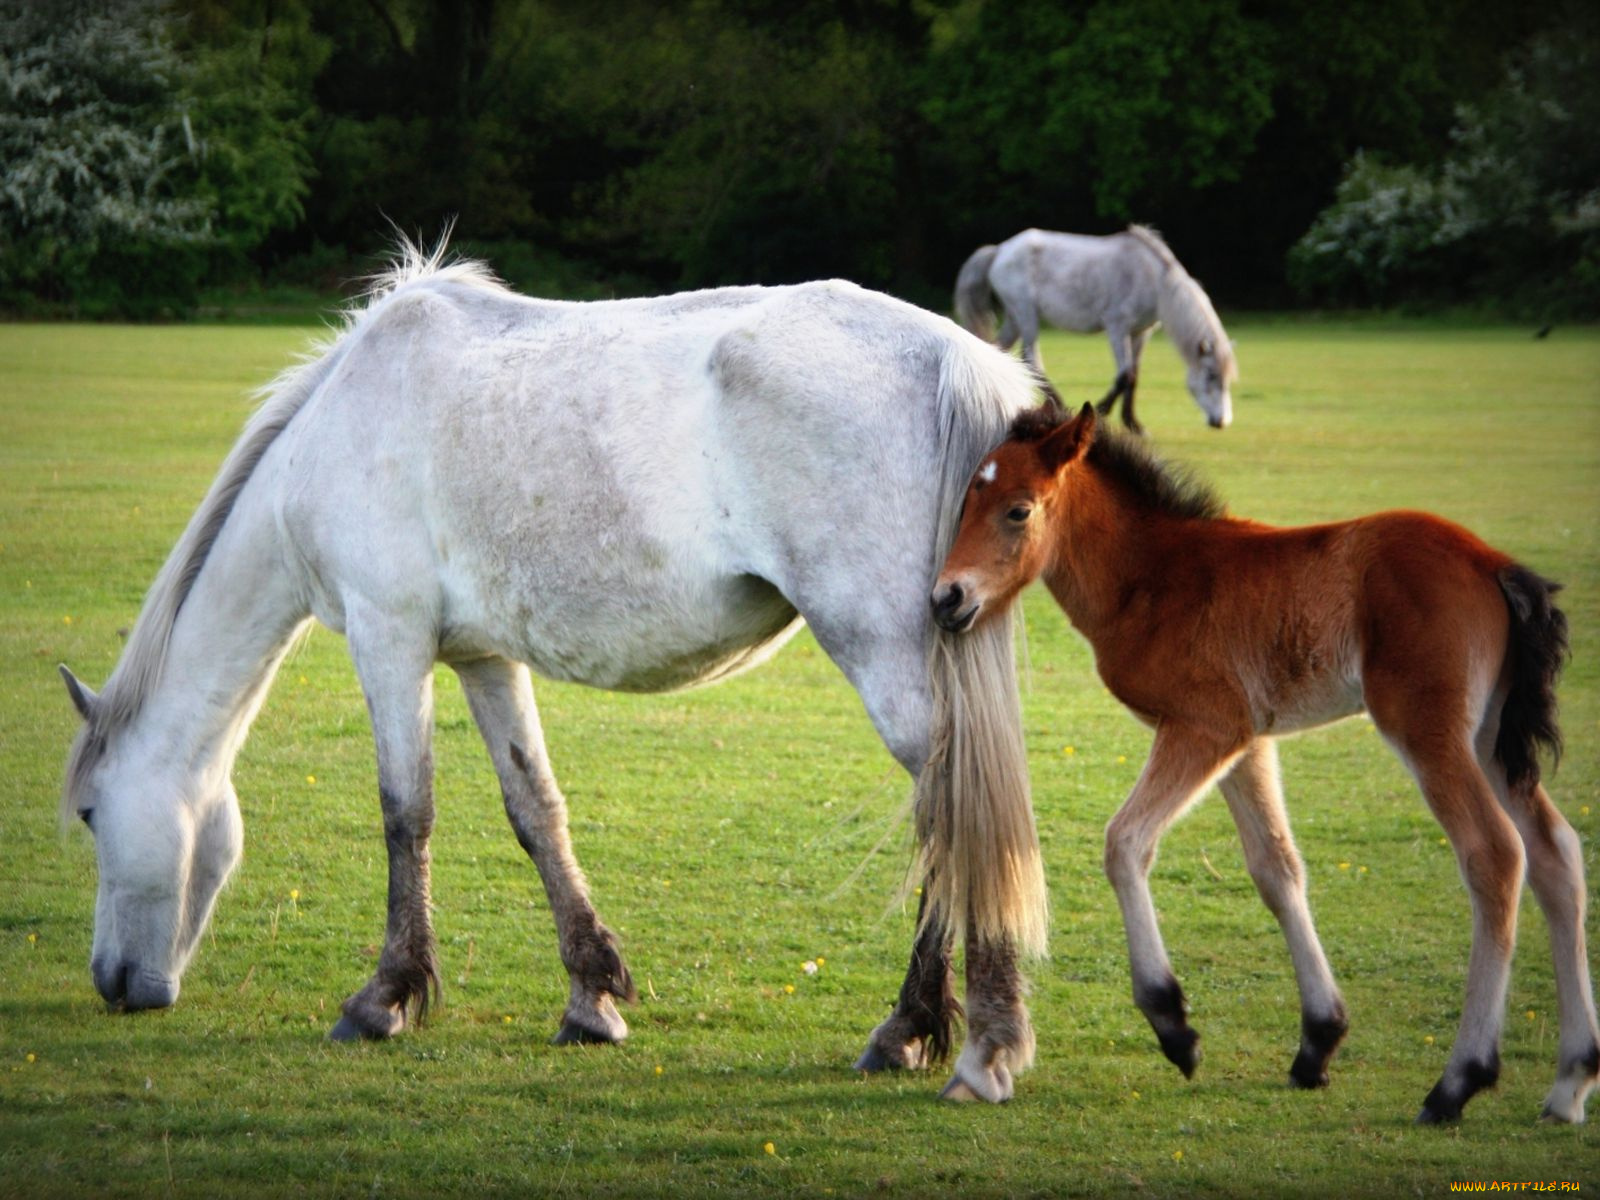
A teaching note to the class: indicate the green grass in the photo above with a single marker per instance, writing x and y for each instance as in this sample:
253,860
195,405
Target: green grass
733,833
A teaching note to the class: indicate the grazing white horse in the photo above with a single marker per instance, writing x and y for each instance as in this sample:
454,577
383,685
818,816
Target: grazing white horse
638,495
1122,284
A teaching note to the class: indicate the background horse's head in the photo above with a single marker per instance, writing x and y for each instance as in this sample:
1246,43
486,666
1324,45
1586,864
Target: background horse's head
1004,542
166,838
1211,373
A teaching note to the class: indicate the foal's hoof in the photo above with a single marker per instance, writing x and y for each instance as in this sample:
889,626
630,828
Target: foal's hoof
975,1080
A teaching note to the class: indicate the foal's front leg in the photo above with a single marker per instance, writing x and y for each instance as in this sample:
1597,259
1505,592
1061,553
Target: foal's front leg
1182,765
400,699
1255,798
500,694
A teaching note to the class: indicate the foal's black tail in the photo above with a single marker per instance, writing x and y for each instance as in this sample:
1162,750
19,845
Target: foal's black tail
1538,650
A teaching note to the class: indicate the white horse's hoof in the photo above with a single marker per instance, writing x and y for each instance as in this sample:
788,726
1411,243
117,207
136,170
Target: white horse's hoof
976,1080
908,1057
590,1021
1564,1105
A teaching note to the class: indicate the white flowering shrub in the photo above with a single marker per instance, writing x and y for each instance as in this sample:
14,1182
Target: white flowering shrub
129,165
1509,215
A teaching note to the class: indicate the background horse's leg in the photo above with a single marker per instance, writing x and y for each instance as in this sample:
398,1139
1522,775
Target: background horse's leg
1182,764
1136,343
1254,794
500,695
1126,348
396,672
1007,336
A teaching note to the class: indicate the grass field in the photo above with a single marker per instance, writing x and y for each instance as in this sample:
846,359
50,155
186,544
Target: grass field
732,834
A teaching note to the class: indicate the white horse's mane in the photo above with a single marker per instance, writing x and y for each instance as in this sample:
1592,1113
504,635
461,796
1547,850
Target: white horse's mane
1184,307
143,659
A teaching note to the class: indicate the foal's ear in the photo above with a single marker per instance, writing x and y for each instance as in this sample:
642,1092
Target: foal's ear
83,699
1070,442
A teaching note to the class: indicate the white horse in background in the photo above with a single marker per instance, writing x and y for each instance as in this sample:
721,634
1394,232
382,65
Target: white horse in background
1123,284
638,495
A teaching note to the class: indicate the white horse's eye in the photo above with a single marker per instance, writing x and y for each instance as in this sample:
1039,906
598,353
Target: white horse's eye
86,815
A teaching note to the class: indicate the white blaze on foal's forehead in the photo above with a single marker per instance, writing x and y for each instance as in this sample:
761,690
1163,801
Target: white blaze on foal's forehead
986,472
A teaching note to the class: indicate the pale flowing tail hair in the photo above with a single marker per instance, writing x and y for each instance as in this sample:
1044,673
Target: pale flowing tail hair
974,298
979,849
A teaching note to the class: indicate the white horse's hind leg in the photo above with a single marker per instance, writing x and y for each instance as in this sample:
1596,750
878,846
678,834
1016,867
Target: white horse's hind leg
999,1035
1255,798
397,676
500,695
891,676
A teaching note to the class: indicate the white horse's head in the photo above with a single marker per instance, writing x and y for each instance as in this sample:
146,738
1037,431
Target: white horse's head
166,839
1211,373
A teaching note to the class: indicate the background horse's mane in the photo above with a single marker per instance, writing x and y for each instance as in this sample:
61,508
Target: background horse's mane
1153,242
1163,486
1184,307
145,655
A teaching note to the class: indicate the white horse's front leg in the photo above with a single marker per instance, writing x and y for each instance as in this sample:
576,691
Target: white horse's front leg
501,697
399,691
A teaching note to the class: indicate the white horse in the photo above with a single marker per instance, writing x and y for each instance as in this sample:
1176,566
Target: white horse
638,495
1122,284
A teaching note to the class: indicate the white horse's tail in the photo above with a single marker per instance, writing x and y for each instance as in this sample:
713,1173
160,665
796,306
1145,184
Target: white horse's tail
981,870
974,299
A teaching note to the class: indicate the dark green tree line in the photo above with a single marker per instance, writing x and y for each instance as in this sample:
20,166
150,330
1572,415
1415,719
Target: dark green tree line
590,149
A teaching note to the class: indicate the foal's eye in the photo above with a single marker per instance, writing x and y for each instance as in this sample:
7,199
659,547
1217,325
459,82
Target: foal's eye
1019,513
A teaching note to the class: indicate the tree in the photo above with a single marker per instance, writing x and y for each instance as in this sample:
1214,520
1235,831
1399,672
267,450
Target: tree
1509,212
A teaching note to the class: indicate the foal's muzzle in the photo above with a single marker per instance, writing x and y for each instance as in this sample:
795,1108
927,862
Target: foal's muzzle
953,610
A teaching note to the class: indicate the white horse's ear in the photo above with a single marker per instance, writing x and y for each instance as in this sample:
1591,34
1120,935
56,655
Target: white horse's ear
83,699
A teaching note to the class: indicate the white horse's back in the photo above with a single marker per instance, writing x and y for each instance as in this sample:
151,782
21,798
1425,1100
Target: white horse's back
550,471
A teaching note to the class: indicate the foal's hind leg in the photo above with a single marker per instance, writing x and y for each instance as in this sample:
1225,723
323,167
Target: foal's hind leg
1255,798
1183,762
1555,872
1432,741
501,698
397,676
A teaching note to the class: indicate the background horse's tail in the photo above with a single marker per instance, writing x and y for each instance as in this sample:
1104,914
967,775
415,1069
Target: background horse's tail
981,871
974,299
1538,650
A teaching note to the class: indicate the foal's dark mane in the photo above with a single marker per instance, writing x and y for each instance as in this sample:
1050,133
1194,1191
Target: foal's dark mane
1173,490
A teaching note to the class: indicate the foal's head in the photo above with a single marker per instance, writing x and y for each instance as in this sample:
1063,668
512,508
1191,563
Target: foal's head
1004,540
